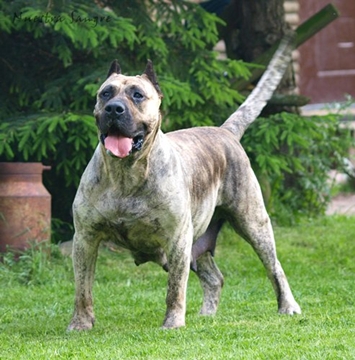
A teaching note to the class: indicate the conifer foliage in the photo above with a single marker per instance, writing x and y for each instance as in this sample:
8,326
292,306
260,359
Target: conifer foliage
55,58
55,54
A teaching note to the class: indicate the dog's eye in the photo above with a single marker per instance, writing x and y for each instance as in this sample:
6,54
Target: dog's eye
137,95
105,94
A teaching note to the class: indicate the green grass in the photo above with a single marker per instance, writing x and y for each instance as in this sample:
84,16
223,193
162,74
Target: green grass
36,302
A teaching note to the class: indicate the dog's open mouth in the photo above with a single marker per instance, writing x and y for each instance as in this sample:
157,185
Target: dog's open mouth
119,145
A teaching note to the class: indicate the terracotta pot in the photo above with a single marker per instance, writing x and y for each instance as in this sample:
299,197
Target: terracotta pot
25,206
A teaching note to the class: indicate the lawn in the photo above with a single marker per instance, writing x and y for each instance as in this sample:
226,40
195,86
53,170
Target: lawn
36,302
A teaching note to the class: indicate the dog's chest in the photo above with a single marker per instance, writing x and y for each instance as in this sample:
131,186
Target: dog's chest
136,223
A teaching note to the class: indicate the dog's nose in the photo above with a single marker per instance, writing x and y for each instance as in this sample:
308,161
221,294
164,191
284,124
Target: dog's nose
116,108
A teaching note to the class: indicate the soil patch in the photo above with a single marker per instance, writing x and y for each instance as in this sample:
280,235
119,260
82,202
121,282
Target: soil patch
342,204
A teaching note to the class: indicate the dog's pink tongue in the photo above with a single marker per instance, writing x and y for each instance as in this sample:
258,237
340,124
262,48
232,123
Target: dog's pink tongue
120,146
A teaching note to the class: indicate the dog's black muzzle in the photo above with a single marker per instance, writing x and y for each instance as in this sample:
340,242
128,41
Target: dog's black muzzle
116,119
115,109
116,116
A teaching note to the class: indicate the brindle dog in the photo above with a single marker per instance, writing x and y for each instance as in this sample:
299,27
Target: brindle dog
165,196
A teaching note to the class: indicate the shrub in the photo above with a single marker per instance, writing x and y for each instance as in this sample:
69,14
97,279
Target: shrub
292,155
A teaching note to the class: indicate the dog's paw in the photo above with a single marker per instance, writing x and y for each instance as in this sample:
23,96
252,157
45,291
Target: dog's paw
81,323
290,308
208,310
173,321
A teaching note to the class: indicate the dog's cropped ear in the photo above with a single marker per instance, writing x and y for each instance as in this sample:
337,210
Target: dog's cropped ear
150,74
114,68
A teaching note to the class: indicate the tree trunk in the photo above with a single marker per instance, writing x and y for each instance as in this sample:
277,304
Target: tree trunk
252,28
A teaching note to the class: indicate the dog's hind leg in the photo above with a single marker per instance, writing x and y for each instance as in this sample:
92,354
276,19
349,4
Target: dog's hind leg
252,222
211,280
261,239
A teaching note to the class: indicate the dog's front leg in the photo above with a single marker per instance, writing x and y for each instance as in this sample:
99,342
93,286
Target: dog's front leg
84,261
179,267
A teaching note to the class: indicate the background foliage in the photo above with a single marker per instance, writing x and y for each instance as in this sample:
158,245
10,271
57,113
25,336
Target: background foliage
57,55
292,156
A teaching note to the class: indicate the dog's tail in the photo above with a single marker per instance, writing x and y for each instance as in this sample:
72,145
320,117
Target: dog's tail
239,121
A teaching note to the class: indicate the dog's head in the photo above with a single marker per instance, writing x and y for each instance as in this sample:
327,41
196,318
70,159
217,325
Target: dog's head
127,110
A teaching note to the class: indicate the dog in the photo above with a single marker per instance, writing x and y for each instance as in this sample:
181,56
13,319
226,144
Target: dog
165,197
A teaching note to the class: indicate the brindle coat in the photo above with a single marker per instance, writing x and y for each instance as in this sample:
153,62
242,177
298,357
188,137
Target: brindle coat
172,191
